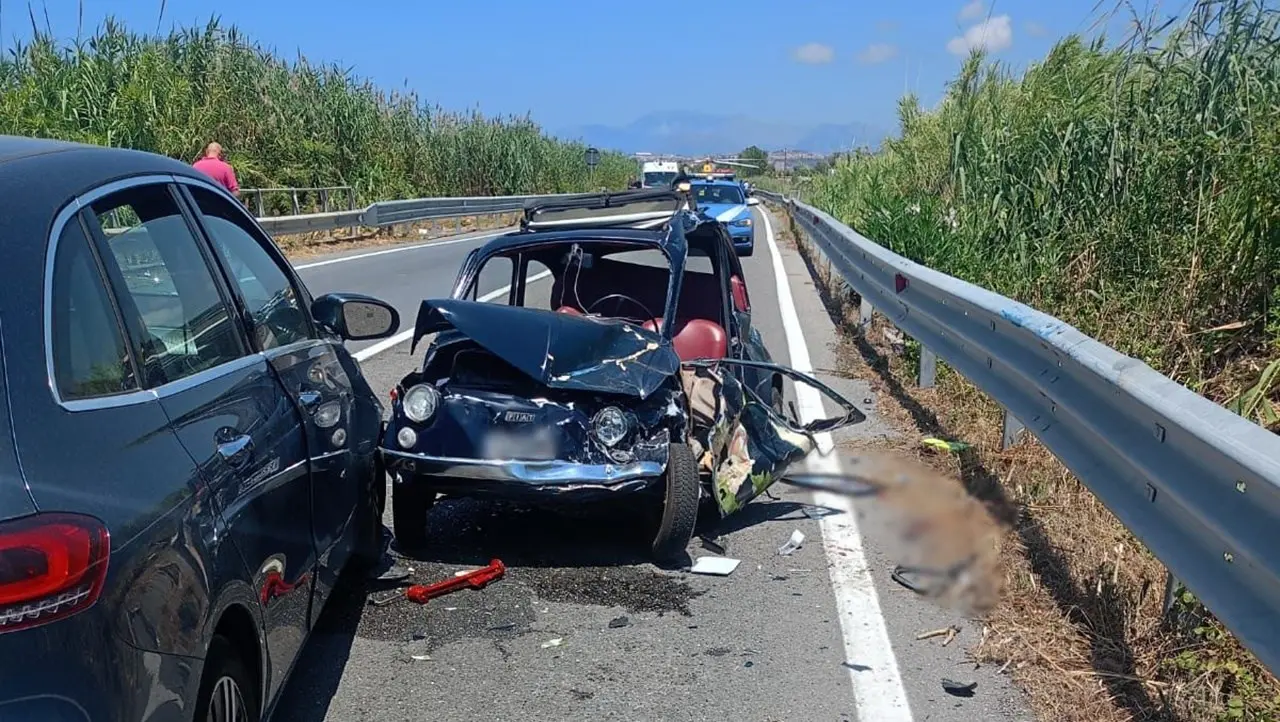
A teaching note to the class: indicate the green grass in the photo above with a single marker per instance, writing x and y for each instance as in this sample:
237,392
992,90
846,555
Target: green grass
282,123
1130,189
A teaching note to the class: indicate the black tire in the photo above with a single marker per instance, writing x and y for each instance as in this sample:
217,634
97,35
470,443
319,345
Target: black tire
224,663
410,503
681,492
748,252
368,546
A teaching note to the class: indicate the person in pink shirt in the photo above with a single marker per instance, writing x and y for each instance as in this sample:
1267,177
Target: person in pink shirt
218,169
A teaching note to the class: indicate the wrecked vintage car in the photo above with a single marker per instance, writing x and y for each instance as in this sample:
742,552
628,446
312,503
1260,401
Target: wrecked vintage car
570,385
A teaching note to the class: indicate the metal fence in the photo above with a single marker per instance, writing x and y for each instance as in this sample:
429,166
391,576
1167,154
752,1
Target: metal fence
387,213
325,199
1197,484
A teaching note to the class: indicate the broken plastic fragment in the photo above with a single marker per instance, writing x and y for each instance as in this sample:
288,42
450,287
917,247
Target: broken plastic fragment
553,642
952,446
795,542
422,657
716,566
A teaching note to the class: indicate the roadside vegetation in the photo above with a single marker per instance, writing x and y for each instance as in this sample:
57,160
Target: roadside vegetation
282,122
1131,190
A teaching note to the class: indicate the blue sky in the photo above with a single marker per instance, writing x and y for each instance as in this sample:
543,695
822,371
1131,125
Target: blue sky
574,63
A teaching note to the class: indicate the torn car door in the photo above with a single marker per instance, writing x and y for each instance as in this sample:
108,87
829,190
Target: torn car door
741,440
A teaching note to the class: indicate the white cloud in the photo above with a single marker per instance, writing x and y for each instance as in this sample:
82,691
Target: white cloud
972,10
876,53
992,35
1035,29
814,54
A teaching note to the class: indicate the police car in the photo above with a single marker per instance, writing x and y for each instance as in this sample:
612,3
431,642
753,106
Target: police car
724,201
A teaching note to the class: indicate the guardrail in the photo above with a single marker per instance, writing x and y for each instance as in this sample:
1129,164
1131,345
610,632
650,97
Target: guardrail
1199,485
328,197
386,213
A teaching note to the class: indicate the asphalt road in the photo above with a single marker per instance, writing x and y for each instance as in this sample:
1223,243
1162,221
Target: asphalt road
822,634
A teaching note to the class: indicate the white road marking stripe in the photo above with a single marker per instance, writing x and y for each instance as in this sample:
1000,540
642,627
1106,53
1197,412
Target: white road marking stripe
397,249
383,345
877,689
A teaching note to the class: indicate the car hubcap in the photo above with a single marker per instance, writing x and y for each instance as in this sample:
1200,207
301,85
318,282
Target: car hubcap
227,704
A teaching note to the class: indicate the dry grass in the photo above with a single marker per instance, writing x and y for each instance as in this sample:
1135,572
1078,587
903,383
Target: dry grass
1080,627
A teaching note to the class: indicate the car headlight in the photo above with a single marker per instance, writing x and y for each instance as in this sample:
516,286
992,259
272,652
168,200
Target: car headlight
610,426
743,223
420,402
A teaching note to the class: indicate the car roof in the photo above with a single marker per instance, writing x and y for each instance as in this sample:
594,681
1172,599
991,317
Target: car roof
716,182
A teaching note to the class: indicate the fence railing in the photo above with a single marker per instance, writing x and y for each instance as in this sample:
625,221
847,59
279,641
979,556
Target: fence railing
1198,484
326,199
387,213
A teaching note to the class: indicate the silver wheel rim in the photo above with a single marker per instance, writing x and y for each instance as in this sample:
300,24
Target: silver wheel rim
227,703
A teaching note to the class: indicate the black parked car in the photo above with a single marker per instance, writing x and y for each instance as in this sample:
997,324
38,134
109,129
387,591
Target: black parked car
187,452
571,387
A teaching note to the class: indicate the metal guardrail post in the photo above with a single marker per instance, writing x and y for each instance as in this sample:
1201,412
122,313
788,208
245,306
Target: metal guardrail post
928,367
1012,431
865,313
324,199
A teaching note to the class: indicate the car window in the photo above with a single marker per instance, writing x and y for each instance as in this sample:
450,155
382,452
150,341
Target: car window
184,320
706,194
90,356
537,293
493,283
278,315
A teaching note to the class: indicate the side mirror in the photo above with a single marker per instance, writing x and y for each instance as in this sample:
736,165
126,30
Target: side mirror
355,317
753,201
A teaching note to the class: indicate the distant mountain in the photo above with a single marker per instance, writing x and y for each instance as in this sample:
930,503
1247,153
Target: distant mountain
692,133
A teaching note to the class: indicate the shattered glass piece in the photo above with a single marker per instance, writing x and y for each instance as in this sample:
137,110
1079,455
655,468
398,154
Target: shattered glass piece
792,544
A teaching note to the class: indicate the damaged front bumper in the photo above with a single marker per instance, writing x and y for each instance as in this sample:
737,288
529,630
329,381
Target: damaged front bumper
552,475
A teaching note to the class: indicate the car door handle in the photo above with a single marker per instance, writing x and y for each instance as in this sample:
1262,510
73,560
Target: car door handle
309,400
235,449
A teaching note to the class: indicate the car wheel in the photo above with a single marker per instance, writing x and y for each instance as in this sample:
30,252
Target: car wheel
227,692
682,490
368,544
748,251
410,503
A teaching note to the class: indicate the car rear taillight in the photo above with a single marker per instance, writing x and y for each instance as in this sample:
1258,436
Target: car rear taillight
51,567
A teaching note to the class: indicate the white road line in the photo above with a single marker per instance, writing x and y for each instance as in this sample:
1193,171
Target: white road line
383,345
877,688
398,249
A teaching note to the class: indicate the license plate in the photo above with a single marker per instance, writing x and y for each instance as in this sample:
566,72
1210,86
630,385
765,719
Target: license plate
534,443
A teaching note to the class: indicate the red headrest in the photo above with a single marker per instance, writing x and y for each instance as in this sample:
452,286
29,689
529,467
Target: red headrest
697,338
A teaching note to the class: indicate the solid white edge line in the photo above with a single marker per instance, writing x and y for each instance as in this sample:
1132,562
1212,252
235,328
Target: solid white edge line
397,249
386,343
877,682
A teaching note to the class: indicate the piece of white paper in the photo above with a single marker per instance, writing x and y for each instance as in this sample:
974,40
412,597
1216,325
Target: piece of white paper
718,566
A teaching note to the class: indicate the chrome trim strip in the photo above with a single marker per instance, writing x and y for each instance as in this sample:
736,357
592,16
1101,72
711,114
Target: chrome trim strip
209,374
531,472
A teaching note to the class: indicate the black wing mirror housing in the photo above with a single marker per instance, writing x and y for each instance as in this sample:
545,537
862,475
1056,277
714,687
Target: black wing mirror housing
355,317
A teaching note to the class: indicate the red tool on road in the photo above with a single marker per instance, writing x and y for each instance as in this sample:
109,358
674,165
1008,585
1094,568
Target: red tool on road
476,579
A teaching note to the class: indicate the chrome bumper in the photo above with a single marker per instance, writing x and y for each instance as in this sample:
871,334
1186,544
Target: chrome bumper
537,473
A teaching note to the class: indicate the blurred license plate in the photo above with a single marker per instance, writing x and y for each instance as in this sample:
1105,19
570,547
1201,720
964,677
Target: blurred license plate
532,443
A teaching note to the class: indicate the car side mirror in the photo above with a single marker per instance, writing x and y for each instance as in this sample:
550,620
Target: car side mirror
355,317
753,201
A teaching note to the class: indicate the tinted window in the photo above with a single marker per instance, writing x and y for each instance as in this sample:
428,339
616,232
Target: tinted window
278,315
185,325
90,356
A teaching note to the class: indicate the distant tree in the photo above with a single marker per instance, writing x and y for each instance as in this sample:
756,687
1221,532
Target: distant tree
753,154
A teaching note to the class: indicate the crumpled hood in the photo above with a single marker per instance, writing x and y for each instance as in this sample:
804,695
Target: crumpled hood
558,350
725,212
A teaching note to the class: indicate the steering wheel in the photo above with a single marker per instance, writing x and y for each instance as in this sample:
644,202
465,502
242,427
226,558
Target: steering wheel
620,297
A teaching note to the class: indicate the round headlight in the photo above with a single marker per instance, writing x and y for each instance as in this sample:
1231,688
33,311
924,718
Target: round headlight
609,426
420,402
